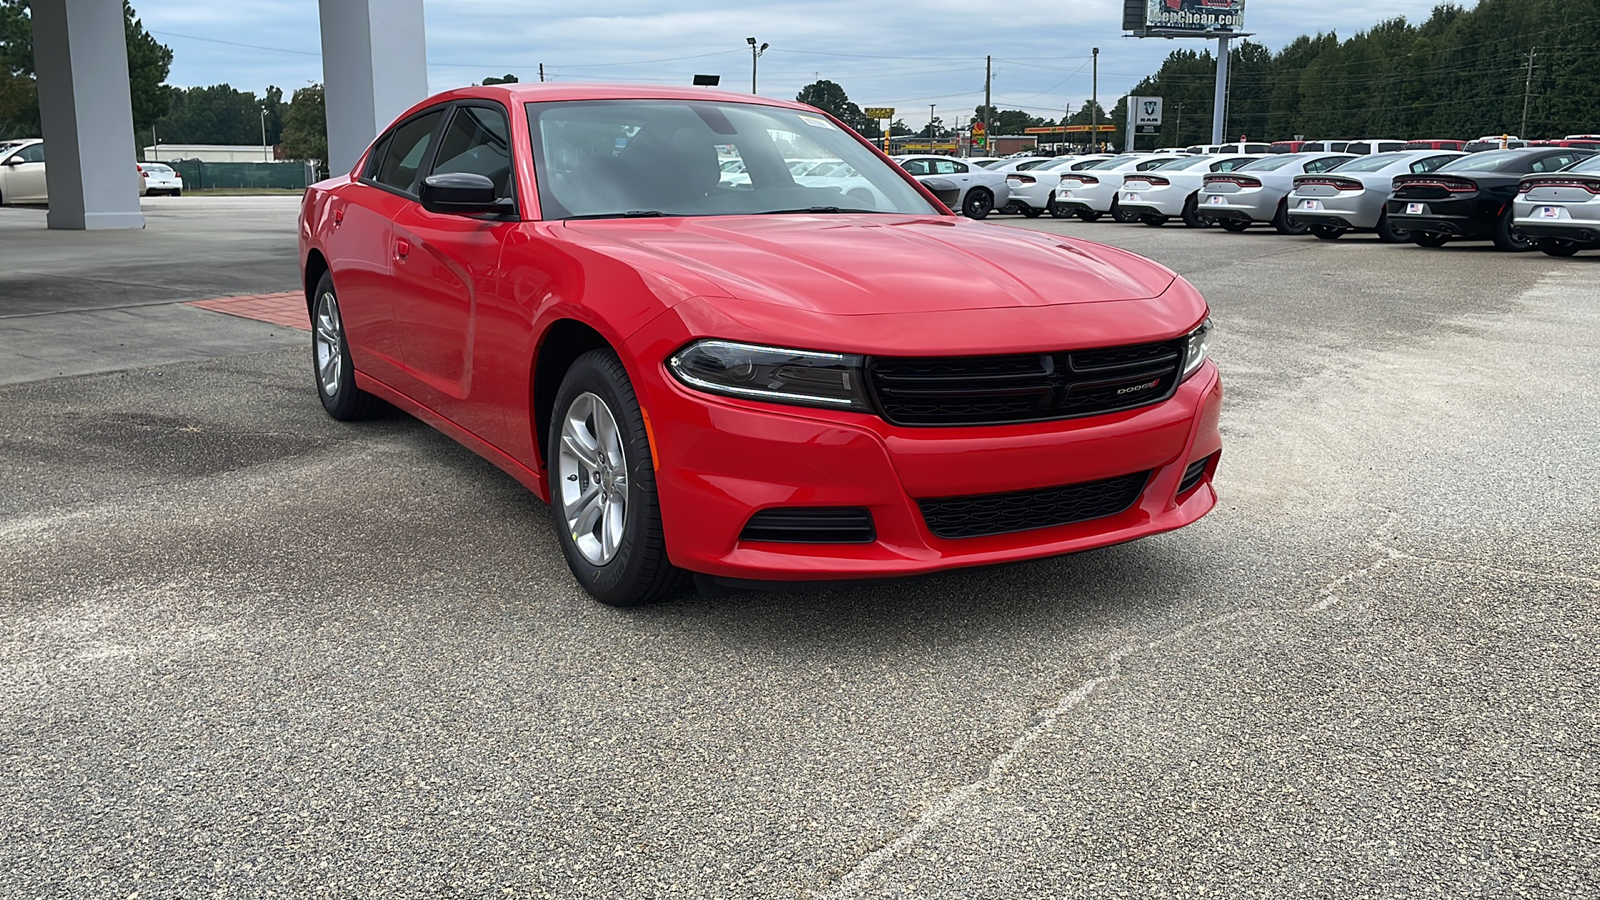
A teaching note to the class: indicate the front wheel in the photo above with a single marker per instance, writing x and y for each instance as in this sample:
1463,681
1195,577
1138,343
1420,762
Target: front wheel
979,203
603,487
1429,239
1506,235
1328,232
1557,247
330,359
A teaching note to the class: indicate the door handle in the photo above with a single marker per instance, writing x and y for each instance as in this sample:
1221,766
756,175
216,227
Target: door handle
402,248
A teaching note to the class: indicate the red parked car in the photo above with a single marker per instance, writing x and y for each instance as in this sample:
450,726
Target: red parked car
624,297
1435,144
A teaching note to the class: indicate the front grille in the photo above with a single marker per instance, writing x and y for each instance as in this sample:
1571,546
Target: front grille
810,525
993,390
986,514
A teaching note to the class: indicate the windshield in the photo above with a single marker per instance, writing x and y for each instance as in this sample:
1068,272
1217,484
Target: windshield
1369,163
1481,162
631,158
1192,162
1272,163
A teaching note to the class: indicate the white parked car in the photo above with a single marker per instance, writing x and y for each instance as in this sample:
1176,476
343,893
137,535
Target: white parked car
159,178
1020,163
22,172
1560,211
975,191
1033,192
1172,190
1092,192
1353,196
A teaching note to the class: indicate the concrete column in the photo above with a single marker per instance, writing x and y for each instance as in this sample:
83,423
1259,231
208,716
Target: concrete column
80,54
374,66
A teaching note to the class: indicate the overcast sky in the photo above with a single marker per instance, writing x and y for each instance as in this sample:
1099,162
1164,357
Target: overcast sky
883,52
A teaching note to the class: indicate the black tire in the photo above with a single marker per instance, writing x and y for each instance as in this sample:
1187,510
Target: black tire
1233,225
332,369
638,571
1280,220
1558,247
1154,221
1429,239
1055,211
1328,232
1389,234
1506,235
1118,214
1088,215
1191,213
978,203
1032,212
177,193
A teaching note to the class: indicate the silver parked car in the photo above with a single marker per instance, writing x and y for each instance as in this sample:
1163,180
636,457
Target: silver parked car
1351,197
1259,191
977,191
1561,210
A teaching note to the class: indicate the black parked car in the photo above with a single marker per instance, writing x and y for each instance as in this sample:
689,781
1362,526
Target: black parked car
1470,199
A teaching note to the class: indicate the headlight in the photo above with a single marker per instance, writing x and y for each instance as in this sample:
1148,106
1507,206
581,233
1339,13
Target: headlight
1198,343
773,374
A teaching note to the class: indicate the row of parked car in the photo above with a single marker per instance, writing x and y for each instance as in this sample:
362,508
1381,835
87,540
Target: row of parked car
22,174
1545,196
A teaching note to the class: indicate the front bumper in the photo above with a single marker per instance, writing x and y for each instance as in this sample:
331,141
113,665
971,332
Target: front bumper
720,461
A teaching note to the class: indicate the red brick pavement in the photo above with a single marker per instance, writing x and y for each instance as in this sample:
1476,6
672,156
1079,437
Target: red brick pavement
287,308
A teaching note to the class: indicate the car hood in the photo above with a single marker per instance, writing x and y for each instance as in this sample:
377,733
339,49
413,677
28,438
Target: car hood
878,264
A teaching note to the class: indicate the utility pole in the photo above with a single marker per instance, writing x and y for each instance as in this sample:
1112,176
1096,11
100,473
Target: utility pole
988,104
1094,104
930,128
541,73
264,157
755,54
1527,91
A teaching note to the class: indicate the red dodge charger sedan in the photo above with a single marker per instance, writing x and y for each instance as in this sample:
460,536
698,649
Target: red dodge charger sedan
627,298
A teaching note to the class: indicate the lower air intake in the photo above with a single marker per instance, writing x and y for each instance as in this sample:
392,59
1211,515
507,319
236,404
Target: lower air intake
987,514
810,525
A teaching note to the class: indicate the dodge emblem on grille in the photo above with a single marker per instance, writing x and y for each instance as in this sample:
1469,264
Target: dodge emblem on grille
1135,388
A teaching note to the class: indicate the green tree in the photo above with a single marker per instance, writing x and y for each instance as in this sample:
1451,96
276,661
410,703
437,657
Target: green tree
149,62
831,98
504,79
217,114
305,126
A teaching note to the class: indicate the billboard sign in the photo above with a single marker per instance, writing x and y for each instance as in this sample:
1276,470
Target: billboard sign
1199,18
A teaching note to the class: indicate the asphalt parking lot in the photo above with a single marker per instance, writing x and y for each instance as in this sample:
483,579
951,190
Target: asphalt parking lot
246,650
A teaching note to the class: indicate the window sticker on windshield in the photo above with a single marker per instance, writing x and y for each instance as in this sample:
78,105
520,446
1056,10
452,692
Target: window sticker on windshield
815,122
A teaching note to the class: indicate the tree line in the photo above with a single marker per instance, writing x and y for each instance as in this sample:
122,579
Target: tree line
1460,74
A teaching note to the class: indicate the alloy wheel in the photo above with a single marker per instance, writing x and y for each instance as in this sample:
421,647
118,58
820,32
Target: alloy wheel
329,341
592,468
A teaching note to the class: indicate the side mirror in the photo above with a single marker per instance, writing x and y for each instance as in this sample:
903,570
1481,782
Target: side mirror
461,194
13,160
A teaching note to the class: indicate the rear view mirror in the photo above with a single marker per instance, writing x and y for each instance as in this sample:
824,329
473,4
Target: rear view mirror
461,194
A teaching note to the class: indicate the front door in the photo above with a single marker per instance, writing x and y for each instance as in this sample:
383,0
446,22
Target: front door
25,176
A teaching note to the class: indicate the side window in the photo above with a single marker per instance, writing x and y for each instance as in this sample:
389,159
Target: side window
944,167
1228,165
961,168
1554,163
917,167
376,158
477,141
1318,166
1424,166
33,153
1149,164
405,152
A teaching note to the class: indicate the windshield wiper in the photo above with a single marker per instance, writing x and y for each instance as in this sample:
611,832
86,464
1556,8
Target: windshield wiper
630,214
805,210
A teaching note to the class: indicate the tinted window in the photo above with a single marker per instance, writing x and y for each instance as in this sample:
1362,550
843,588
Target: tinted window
1424,166
1555,163
405,152
1255,148
1370,163
477,141
1230,165
918,166
33,153
1358,147
1318,166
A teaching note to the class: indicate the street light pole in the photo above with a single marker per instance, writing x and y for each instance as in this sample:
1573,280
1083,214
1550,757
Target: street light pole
264,135
930,129
1094,102
755,54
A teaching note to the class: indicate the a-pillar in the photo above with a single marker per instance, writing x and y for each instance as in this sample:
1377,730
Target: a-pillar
80,55
374,66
